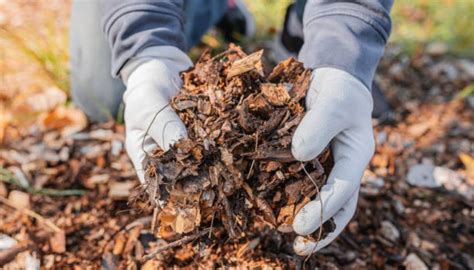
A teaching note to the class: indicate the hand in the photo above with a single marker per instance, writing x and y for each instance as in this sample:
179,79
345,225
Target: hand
339,110
151,83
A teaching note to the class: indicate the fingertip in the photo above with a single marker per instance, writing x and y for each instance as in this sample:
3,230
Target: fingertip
307,142
167,129
306,221
298,149
301,150
173,131
303,246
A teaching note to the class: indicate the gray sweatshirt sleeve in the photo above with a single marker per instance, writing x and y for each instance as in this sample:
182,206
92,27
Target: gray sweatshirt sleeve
348,35
134,25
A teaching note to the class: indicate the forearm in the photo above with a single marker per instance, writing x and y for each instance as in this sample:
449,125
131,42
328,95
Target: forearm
132,26
347,35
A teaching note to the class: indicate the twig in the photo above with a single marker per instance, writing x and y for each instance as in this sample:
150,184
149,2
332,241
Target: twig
222,54
153,220
212,224
149,127
253,160
32,214
320,233
176,243
228,212
143,221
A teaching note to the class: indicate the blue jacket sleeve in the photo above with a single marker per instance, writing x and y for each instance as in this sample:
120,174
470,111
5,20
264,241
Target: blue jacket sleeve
348,35
133,25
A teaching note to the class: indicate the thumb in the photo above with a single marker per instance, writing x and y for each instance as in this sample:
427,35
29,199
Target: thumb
335,102
315,131
166,128
303,246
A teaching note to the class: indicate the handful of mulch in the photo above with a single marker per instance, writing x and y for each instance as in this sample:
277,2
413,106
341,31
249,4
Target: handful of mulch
235,173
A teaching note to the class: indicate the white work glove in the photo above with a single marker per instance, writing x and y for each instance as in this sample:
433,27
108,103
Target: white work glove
152,79
339,110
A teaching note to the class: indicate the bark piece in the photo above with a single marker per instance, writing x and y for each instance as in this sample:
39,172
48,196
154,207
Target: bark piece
248,63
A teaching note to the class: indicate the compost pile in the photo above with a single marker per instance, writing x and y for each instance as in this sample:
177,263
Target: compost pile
235,173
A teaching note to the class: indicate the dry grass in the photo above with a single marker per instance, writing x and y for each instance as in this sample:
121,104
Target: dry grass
33,53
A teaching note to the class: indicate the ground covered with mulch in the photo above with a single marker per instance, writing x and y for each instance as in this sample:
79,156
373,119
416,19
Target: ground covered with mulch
64,193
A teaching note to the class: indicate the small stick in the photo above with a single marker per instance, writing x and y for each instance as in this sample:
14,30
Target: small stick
176,243
228,213
153,220
149,127
33,214
320,233
222,54
143,221
253,160
212,224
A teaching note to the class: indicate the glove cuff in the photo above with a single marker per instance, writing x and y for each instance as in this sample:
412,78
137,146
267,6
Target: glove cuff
173,58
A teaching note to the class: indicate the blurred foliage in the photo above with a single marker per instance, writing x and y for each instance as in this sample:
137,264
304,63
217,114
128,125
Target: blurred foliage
420,22
43,35
466,92
49,52
416,23
269,15
36,33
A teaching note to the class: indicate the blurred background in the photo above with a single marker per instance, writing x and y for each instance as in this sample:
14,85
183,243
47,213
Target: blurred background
34,42
419,185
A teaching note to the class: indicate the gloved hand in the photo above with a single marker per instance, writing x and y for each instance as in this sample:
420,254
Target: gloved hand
339,110
152,79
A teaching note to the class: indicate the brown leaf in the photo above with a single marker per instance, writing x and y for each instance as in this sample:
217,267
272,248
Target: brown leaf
186,220
67,119
250,245
121,190
20,199
300,87
119,245
293,191
286,214
267,211
58,242
248,63
226,156
276,94
132,239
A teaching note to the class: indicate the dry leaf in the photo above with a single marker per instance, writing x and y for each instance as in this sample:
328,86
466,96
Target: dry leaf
58,242
67,119
121,190
286,214
42,101
248,63
276,94
20,199
468,162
